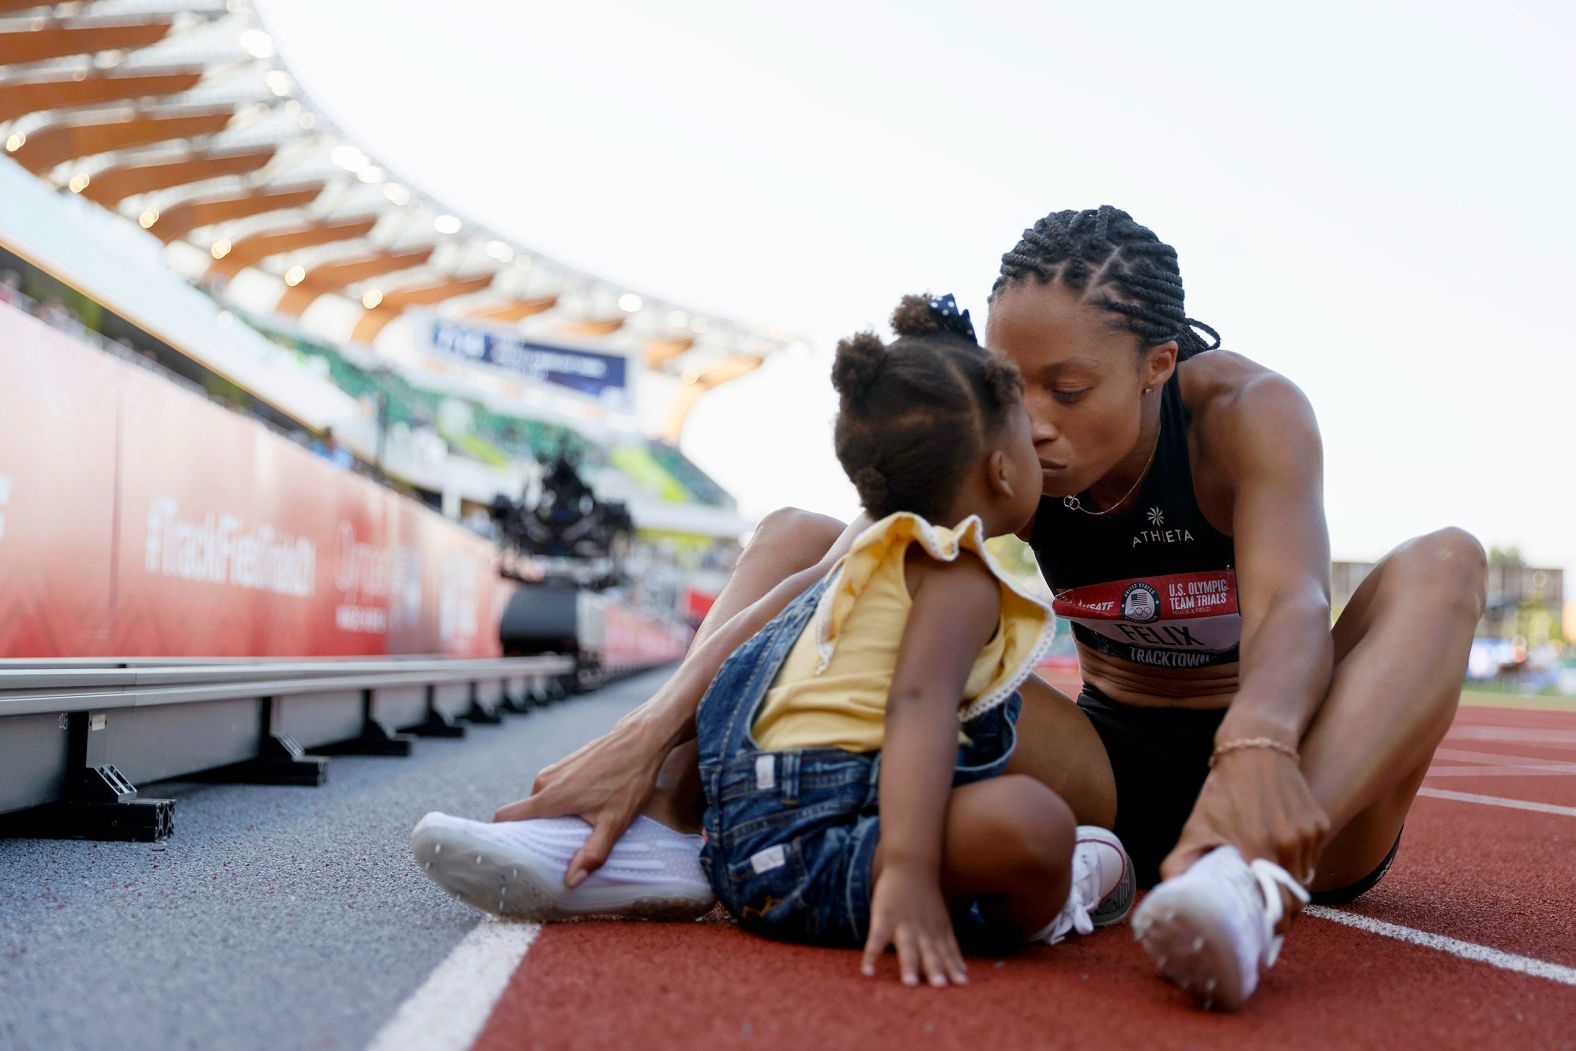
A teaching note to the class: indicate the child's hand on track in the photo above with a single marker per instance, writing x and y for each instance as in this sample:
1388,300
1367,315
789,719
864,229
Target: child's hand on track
907,911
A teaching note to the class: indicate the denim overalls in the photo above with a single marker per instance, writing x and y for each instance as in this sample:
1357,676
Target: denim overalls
790,835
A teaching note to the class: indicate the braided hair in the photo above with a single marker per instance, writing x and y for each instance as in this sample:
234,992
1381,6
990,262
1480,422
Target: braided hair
916,413
1103,253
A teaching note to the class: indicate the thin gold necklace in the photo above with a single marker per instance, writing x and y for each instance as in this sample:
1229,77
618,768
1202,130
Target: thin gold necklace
1072,503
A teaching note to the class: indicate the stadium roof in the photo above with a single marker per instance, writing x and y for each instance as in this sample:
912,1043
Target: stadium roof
180,117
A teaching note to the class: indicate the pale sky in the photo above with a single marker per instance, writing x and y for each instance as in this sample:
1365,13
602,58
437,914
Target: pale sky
1371,198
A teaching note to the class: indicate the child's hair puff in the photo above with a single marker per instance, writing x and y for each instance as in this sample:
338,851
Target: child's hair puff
916,412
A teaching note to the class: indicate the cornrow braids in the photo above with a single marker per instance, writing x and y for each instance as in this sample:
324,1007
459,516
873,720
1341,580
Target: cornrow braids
1103,253
915,413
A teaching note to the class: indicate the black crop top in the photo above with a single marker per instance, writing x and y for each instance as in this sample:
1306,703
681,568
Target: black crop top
1153,585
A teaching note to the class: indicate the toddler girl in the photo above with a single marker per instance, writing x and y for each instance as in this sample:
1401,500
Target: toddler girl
854,752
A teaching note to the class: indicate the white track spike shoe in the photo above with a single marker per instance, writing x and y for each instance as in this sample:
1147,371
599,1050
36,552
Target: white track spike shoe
1210,929
1102,888
515,869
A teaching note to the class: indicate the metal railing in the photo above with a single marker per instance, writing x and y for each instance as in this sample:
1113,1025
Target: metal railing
76,736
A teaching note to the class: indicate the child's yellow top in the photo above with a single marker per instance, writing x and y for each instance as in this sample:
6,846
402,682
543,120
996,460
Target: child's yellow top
831,691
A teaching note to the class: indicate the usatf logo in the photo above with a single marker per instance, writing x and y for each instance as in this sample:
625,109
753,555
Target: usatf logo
1157,517
1140,603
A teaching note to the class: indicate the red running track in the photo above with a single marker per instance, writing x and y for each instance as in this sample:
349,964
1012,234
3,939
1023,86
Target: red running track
1493,876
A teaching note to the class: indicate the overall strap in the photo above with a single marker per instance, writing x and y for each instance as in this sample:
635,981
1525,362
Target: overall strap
727,711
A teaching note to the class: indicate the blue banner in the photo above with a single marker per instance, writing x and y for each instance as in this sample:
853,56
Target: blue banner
602,376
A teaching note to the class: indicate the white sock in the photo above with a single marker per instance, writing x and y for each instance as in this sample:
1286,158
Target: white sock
647,852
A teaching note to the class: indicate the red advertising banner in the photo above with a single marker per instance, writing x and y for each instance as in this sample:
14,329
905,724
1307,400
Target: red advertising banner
57,490
138,519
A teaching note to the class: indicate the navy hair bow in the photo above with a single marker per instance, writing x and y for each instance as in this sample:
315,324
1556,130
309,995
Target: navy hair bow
946,308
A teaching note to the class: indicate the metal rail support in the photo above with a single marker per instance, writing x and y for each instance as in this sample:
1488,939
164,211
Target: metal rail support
98,802
280,759
479,713
376,737
437,723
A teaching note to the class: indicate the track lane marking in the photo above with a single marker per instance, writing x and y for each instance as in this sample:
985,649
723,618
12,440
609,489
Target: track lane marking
1499,801
1545,738
448,1011
1564,766
1495,771
1505,961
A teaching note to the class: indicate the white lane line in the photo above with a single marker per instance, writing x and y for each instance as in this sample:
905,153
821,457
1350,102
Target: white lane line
1564,766
1495,771
1513,735
448,1011
1505,961
1510,804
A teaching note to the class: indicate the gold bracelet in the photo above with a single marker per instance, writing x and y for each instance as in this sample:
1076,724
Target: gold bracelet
1239,743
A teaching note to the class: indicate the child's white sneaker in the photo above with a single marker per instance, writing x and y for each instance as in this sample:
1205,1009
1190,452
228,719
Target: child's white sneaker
515,869
1102,888
1211,928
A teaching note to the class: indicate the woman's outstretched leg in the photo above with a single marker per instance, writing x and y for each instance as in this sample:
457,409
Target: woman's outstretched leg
635,792
785,542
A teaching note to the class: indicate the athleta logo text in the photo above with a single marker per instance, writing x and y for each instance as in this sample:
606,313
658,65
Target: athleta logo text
1161,536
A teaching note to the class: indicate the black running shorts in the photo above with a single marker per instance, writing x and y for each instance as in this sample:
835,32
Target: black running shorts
1160,757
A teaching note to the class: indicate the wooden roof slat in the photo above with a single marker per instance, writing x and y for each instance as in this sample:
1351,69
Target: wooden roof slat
180,219
331,277
259,246
698,383
118,182
35,96
56,143
55,41
519,308
661,351
394,303
593,326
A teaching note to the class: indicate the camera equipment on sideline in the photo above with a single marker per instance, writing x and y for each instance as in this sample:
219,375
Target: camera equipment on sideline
566,534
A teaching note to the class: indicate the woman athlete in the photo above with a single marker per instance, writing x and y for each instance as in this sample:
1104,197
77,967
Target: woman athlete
1228,731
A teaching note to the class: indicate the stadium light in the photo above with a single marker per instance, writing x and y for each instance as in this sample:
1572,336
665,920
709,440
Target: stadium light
295,275
370,174
500,251
256,43
446,224
677,318
279,82
629,302
698,325
396,194
349,158
372,298
15,141
221,248
307,121
148,217
79,182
